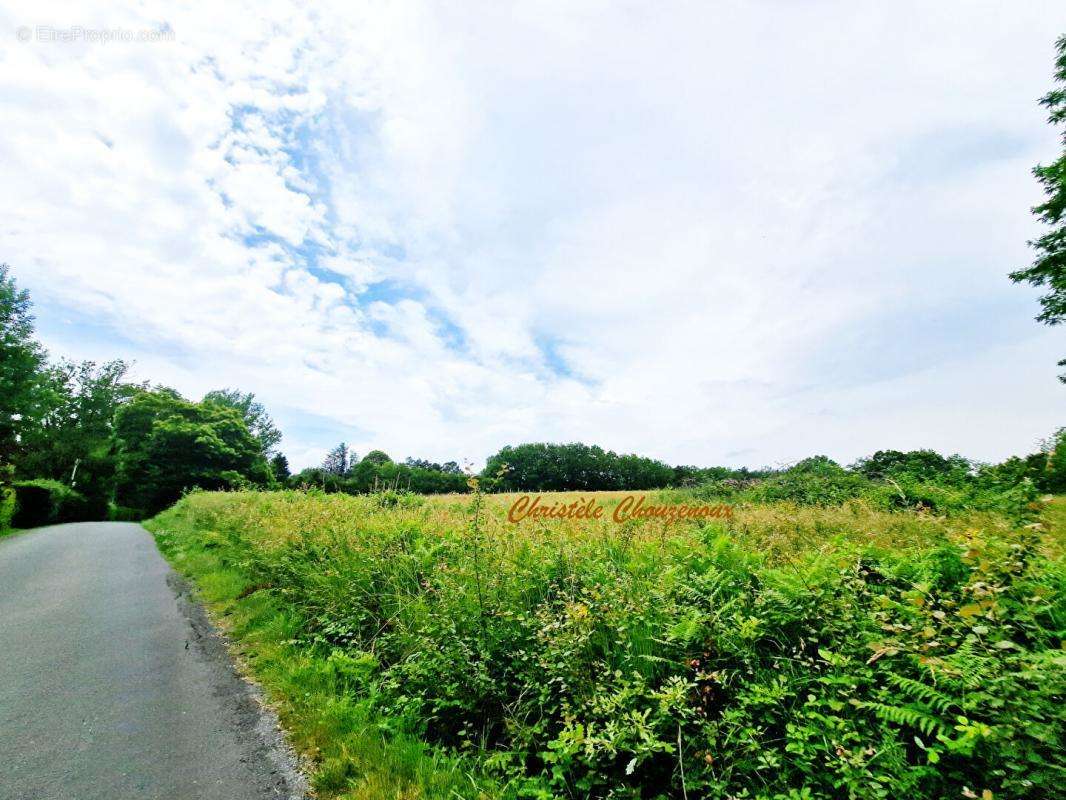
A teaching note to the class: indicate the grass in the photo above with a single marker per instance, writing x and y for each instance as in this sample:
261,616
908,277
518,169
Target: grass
416,650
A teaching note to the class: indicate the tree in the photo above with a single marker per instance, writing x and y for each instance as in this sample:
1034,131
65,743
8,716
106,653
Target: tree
72,441
575,466
421,463
317,478
338,461
254,413
22,361
432,481
1049,268
922,465
638,472
1053,478
279,465
166,444
377,457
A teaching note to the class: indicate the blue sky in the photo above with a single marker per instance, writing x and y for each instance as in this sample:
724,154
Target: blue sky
712,233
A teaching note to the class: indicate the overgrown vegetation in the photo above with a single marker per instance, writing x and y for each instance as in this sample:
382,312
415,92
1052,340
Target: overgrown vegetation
918,480
793,651
887,480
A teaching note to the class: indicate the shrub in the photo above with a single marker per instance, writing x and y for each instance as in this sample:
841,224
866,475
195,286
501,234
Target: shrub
921,465
47,502
1005,488
117,513
816,481
7,507
33,505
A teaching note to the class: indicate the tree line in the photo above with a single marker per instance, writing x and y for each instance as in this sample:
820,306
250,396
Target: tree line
887,479
343,471
547,467
78,440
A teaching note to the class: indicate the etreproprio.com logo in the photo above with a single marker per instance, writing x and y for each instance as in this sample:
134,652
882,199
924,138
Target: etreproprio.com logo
73,34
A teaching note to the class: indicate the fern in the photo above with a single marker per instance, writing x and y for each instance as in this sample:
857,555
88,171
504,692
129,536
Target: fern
971,664
906,716
916,690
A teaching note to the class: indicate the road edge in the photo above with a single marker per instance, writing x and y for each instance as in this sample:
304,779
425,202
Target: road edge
254,716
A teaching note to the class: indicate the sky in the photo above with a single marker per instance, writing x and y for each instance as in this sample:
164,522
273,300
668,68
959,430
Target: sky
734,233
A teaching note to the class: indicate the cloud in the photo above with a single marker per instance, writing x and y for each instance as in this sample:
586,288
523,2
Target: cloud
707,233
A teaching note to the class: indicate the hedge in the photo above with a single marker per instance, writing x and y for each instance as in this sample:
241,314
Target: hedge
7,507
45,502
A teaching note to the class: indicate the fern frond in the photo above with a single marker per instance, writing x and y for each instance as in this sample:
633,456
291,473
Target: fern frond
905,716
917,690
972,665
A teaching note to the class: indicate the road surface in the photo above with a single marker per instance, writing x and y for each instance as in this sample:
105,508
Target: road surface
113,685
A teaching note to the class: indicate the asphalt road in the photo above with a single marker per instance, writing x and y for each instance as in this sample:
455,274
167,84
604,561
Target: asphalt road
113,684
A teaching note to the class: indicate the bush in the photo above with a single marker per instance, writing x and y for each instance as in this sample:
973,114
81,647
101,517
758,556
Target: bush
117,513
1005,488
33,505
816,481
46,502
7,507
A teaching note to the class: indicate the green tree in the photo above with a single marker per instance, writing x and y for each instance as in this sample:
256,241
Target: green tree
575,466
279,465
1053,477
1049,268
254,413
166,445
318,478
72,442
22,361
922,465
338,461
377,457
433,481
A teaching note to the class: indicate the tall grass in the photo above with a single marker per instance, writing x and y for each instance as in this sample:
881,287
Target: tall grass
786,652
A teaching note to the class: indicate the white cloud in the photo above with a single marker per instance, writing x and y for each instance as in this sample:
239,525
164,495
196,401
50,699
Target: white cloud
649,227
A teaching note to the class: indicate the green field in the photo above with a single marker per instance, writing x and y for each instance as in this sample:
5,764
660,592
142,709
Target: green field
426,647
